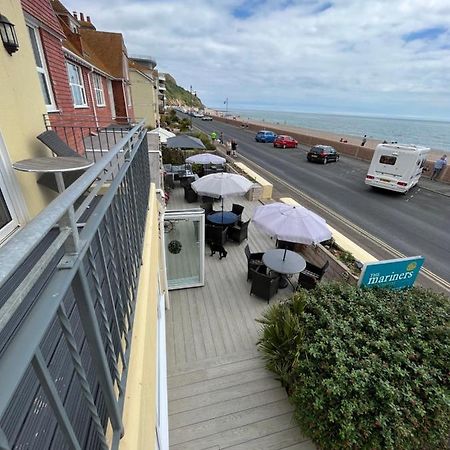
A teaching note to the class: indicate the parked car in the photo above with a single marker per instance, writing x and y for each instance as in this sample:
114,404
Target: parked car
197,114
323,154
265,136
208,118
283,141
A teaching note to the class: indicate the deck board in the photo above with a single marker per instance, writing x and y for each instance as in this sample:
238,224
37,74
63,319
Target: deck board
220,394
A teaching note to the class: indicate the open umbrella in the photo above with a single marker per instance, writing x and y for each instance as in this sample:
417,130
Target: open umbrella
184,141
206,158
163,134
222,184
291,223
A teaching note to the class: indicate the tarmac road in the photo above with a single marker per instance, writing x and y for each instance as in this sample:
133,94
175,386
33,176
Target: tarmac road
410,225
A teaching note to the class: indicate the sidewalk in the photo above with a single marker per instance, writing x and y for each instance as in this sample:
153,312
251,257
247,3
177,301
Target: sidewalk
435,186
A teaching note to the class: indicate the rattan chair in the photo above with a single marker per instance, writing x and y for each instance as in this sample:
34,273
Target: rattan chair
254,260
310,277
264,285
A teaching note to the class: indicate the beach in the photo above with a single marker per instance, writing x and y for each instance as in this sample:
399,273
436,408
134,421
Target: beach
311,137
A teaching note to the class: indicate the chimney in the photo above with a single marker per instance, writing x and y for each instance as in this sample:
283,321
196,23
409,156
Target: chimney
88,18
81,16
75,15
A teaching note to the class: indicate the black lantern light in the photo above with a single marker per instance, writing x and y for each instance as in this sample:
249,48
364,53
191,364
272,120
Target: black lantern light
8,34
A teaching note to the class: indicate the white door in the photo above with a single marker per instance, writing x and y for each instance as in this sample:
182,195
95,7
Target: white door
9,195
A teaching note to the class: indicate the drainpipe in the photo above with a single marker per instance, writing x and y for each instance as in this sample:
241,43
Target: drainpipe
93,97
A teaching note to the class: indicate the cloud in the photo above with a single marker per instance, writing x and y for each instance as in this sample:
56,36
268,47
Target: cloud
375,56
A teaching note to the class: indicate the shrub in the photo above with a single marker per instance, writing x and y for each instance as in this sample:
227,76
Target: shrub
369,367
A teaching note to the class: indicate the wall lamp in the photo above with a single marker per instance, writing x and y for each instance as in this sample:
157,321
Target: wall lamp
8,34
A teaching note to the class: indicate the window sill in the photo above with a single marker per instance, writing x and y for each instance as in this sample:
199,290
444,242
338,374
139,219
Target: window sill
81,106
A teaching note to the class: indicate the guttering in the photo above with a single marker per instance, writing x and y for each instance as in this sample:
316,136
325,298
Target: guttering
87,64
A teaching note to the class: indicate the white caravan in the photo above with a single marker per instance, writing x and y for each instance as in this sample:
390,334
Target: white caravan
396,167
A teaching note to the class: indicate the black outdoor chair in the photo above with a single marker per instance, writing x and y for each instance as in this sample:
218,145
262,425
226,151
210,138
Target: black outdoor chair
254,260
186,181
215,234
59,148
239,232
190,195
208,207
264,285
312,274
286,245
237,209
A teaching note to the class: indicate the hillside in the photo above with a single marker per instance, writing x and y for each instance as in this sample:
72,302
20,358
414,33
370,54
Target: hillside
178,96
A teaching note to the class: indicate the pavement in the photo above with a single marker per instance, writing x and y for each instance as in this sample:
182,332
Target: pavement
435,186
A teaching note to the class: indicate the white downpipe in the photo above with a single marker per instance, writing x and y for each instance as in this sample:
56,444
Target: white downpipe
93,97
165,284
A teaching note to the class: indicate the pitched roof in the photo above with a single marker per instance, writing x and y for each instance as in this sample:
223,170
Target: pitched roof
106,47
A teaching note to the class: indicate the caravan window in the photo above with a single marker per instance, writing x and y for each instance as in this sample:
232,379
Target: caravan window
386,159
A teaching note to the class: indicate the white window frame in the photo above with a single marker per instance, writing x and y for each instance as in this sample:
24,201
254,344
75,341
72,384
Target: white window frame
12,194
79,86
42,70
99,93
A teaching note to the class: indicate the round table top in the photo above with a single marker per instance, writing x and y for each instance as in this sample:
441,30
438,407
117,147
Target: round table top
223,218
46,164
293,262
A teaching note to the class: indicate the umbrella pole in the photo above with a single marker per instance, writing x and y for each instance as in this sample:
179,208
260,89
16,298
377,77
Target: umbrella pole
284,256
222,210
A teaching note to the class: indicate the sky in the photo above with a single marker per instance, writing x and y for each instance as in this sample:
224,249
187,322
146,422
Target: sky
366,57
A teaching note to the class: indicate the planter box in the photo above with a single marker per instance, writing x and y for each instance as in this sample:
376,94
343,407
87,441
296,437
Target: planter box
255,193
318,255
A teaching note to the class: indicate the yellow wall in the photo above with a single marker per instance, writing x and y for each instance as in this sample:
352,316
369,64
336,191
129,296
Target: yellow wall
22,108
139,415
144,99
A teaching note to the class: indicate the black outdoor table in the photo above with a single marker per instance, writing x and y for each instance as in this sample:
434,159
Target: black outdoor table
292,263
223,218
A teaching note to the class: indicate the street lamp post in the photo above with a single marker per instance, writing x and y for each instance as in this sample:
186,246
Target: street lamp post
190,109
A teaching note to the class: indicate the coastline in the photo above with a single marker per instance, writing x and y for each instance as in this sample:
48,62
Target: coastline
352,141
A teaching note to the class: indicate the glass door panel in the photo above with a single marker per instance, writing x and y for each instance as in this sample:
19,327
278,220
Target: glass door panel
184,245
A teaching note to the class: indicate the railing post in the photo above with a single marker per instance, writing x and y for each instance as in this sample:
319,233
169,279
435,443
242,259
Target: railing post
88,317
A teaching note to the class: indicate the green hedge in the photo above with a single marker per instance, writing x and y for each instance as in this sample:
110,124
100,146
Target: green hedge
365,369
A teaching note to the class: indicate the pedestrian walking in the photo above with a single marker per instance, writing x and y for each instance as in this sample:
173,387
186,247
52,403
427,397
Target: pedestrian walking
363,143
228,147
221,137
438,166
233,147
213,136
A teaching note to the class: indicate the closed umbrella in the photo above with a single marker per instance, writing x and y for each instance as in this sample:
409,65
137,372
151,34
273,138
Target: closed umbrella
205,158
291,223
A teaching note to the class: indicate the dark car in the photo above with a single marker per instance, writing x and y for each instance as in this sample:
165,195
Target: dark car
284,141
265,136
323,154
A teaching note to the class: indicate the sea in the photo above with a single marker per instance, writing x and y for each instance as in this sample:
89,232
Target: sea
429,133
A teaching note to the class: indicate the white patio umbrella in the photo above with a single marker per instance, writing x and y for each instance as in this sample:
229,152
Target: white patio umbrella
291,223
163,134
222,184
206,158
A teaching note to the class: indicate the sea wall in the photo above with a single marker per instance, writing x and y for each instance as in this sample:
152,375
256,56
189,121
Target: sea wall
349,149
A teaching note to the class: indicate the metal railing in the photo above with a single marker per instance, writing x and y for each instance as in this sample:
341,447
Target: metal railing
68,283
88,135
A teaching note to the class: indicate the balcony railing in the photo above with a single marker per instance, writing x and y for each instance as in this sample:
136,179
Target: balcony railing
68,283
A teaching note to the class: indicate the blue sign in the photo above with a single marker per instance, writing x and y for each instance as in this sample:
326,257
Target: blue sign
392,273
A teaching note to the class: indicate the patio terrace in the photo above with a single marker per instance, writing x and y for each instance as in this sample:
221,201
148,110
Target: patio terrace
220,394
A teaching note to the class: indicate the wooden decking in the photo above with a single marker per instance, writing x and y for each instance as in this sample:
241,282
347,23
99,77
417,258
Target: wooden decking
220,394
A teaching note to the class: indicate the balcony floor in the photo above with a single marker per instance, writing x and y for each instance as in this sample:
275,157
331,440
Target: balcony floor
220,394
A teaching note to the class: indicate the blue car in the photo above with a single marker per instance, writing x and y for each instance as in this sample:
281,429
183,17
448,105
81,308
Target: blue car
265,136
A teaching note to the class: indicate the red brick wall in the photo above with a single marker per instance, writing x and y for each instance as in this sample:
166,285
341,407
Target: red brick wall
42,10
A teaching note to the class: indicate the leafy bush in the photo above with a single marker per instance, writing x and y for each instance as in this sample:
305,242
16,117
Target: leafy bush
365,368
